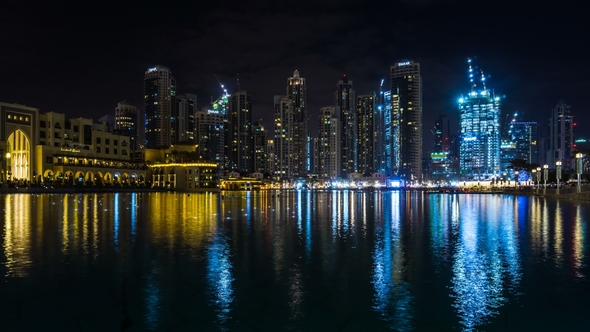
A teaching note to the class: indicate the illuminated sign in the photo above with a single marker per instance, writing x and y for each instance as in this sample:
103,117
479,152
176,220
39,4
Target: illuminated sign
470,138
405,63
69,150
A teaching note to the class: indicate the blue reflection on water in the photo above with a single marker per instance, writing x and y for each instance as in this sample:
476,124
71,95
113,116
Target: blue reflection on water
116,221
219,277
392,299
486,260
133,217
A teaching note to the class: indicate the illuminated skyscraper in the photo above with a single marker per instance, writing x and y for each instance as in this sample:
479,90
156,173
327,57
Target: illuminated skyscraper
344,98
525,136
127,123
283,139
184,121
296,91
239,130
329,143
561,136
388,137
210,136
367,134
406,95
479,151
159,106
260,149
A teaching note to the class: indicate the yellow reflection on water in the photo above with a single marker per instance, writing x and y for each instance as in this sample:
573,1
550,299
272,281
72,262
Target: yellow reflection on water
558,235
578,243
17,234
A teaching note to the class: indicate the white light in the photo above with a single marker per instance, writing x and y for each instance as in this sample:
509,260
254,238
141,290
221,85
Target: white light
461,100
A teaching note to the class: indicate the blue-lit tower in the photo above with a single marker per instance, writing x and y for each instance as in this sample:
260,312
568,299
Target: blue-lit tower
479,150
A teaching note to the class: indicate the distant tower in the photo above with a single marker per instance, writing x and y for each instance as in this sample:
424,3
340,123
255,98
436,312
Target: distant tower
127,123
329,143
296,91
241,149
283,138
344,98
389,140
525,137
159,106
479,150
561,136
406,94
260,149
210,136
367,134
184,120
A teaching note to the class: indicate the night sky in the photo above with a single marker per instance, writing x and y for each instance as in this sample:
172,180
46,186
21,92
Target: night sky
82,60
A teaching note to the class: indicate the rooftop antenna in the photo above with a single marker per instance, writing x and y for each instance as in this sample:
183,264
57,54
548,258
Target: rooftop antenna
471,74
483,80
222,87
238,78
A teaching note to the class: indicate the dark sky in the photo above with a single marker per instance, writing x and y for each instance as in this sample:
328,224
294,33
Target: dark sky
81,59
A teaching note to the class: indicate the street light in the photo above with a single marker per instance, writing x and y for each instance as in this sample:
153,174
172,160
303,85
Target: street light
545,174
579,167
534,176
538,177
515,179
558,172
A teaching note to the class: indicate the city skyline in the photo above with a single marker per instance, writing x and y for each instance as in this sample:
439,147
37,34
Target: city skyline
86,71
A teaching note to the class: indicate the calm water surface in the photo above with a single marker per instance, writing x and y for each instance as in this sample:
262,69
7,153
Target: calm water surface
271,261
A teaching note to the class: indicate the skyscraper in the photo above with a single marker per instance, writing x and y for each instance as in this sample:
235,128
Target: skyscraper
127,123
241,149
479,151
210,135
296,91
368,133
406,94
561,136
389,139
159,104
329,143
259,137
525,136
283,139
344,98
184,121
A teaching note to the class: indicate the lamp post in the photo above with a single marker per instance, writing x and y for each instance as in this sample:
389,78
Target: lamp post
515,179
538,178
579,168
504,179
534,176
545,175
558,173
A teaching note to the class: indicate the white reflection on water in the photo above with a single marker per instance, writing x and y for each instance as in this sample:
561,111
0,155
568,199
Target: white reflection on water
219,277
486,259
579,244
392,299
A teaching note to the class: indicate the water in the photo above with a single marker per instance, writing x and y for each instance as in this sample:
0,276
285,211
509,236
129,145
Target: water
301,261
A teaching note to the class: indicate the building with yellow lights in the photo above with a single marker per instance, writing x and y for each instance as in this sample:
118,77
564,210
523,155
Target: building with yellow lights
38,148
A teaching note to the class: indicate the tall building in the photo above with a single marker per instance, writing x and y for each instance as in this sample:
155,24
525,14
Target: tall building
210,136
389,140
561,136
406,94
329,143
184,120
479,151
159,106
296,91
127,123
344,97
259,137
239,133
283,138
525,136
368,133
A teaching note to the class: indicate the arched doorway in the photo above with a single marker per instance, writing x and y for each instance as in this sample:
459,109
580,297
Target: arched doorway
18,156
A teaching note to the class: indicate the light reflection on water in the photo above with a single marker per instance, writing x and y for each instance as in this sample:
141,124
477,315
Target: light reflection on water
392,260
